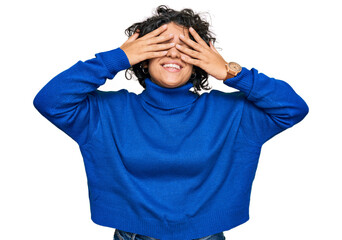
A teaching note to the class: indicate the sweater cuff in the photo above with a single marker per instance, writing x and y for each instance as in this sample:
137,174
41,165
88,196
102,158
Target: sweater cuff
115,60
243,81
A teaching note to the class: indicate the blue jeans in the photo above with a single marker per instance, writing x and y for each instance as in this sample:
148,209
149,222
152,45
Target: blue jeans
122,235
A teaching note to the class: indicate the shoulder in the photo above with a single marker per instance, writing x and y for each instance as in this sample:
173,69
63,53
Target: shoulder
219,100
217,95
119,94
114,98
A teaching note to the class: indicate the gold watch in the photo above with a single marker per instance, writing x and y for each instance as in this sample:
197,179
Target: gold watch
233,69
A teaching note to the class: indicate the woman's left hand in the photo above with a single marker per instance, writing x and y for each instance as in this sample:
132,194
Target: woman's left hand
203,56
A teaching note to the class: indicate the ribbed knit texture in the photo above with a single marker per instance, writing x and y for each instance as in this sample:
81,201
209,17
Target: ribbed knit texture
168,163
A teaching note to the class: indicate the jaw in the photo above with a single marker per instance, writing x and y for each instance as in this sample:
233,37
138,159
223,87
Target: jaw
172,79
169,77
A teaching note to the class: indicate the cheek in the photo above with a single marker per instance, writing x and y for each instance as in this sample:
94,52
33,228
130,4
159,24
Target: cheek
152,67
190,69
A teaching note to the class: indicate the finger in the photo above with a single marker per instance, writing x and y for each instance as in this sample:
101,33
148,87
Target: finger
190,60
160,39
155,32
189,52
212,47
191,43
159,47
149,55
198,37
133,37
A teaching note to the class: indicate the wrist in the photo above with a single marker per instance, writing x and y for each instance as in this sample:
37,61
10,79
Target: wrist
233,69
229,75
115,60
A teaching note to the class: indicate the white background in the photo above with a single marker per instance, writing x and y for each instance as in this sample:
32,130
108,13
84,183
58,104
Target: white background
296,193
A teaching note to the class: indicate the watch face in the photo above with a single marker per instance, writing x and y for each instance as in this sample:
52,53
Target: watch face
235,66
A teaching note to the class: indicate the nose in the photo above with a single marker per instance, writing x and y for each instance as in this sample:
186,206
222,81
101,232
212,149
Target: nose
173,52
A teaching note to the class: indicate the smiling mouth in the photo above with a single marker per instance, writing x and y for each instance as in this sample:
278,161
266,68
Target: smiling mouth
172,67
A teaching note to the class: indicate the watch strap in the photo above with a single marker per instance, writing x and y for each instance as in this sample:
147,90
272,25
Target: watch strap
230,72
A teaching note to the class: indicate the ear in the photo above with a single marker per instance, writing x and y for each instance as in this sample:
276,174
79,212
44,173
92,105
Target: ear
144,64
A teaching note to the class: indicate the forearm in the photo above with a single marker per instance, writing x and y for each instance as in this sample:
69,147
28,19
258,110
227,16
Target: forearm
278,105
69,97
71,87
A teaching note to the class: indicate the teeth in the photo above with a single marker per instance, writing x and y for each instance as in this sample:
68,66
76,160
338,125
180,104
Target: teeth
171,65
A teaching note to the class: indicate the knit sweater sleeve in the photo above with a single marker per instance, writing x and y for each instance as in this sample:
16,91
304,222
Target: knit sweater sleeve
71,101
271,105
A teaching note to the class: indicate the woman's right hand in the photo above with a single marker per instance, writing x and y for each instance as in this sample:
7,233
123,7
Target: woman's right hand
148,46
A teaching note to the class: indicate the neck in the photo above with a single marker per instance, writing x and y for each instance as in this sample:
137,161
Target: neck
168,98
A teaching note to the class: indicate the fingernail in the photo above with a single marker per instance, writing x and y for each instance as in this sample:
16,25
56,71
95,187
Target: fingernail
181,36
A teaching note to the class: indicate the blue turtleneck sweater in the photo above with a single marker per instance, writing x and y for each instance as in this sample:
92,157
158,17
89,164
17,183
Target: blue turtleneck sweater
168,163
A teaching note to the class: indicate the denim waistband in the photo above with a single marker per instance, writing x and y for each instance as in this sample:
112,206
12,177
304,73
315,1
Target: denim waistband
123,235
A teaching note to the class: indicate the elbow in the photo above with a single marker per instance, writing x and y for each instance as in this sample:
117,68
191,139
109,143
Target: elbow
303,109
294,115
37,103
301,112
41,104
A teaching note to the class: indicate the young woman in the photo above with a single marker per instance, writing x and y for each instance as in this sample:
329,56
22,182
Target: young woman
169,163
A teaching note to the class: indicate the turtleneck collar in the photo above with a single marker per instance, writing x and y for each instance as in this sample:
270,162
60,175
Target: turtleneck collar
168,98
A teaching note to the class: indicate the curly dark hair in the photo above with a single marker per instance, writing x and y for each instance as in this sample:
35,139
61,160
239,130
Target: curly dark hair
186,18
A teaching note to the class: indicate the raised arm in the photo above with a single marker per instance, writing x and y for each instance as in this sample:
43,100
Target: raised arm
271,105
70,99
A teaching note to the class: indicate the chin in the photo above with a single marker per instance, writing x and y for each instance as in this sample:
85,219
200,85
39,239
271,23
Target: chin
173,83
175,80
